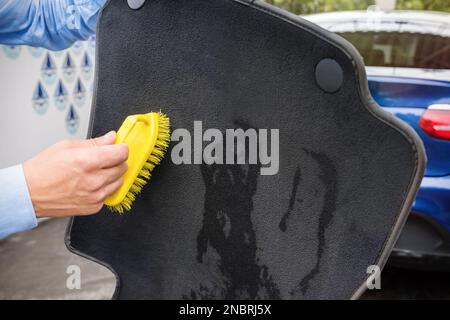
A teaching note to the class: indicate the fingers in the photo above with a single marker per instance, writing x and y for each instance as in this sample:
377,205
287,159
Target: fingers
112,174
97,198
104,140
98,153
100,196
109,156
107,139
110,188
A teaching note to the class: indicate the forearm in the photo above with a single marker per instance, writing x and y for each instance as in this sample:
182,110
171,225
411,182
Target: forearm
16,209
54,24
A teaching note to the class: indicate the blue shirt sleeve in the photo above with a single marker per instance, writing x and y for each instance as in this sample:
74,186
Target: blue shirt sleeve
16,209
53,24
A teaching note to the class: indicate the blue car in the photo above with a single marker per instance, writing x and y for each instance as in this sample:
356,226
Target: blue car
407,55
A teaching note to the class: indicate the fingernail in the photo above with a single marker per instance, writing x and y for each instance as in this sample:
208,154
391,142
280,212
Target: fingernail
110,135
125,147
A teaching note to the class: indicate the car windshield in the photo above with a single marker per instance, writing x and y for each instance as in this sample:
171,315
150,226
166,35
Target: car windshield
396,49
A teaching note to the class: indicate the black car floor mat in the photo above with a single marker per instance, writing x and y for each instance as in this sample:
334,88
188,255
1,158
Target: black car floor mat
325,178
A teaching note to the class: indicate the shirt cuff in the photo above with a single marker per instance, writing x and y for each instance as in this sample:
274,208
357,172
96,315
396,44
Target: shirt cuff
16,209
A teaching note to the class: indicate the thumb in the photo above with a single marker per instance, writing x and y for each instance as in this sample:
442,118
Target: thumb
104,140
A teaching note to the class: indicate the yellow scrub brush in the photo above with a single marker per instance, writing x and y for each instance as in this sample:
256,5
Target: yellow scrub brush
147,137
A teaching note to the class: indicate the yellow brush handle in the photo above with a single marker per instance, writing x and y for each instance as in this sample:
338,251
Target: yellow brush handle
127,126
140,133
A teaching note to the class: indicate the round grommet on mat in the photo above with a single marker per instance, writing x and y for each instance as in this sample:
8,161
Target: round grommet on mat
329,75
135,4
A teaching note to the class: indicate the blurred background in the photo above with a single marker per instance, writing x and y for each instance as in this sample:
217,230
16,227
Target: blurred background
316,6
45,97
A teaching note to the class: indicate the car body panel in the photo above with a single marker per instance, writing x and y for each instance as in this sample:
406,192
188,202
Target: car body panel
391,91
433,197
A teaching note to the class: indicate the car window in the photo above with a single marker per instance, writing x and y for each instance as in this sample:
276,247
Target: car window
396,49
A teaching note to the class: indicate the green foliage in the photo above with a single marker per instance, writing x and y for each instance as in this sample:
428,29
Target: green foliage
435,5
315,6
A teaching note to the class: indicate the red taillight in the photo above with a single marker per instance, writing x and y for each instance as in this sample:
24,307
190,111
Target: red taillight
435,121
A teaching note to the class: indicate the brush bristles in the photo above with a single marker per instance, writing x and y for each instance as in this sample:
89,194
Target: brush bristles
161,145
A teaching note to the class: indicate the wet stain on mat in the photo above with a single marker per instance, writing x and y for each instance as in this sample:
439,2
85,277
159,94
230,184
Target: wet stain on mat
228,235
328,178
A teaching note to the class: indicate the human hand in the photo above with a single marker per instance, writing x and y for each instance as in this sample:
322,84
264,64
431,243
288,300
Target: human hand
73,177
